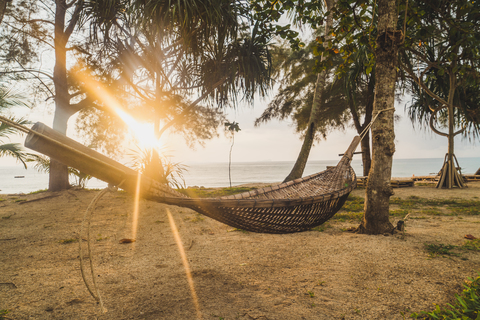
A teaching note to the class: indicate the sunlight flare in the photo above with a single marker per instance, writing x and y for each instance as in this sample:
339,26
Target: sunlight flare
136,207
186,265
143,133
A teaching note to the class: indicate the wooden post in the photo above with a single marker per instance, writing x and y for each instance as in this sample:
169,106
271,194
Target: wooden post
74,154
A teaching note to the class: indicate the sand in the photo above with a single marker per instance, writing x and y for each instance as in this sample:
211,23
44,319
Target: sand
332,274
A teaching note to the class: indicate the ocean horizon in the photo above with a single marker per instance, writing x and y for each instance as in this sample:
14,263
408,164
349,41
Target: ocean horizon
16,179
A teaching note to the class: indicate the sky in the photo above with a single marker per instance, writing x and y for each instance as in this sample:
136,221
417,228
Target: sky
277,141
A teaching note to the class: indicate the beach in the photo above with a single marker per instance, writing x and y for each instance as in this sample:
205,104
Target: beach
326,273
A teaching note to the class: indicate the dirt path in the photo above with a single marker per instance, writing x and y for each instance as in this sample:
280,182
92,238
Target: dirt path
236,275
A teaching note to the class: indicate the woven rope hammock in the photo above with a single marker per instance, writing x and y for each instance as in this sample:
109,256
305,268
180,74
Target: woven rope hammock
294,206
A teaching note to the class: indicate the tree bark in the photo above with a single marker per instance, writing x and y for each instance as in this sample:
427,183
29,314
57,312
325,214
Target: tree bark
378,192
301,162
366,159
58,179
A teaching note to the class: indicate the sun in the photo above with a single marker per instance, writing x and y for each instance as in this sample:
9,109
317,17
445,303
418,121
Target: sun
144,133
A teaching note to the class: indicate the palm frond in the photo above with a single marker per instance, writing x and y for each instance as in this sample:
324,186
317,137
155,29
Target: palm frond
14,150
42,163
6,129
157,165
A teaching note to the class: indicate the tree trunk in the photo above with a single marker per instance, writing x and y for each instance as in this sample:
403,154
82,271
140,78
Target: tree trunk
450,177
3,8
299,166
378,192
301,162
366,159
365,143
58,179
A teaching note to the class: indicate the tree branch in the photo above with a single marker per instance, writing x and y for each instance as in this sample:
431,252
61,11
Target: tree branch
28,71
421,84
75,17
76,107
191,106
432,117
35,20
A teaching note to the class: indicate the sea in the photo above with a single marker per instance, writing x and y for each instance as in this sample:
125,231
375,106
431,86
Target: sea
16,179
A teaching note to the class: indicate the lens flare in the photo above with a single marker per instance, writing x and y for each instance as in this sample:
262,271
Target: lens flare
136,207
186,265
144,133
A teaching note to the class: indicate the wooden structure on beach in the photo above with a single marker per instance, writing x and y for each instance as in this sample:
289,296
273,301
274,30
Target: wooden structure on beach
410,182
395,183
466,178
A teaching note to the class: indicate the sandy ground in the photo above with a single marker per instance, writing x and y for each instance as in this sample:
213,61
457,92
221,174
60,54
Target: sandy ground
235,275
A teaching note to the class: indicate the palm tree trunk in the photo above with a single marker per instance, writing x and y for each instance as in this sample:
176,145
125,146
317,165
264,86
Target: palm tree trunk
450,177
301,162
378,192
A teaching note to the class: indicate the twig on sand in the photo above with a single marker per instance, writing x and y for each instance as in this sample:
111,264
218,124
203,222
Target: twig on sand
38,199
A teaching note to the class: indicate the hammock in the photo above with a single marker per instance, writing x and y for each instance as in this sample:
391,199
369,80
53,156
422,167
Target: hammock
294,206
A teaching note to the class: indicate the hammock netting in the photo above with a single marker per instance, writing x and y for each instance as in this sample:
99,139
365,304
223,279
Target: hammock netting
295,206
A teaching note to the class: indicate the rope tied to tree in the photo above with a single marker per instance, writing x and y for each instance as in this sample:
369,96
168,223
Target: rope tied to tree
367,128
95,293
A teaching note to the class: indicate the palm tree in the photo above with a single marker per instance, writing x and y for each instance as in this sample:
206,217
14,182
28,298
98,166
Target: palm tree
441,62
346,97
9,99
178,64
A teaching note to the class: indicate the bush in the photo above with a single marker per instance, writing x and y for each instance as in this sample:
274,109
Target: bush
467,305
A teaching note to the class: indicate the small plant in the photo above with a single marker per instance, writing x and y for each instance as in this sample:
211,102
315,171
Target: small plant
158,165
342,217
198,217
230,129
39,191
321,227
467,305
473,245
6,217
311,294
67,241
3,313
440,249
239,230
432,211
100,238
42,164
398,212
354,204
